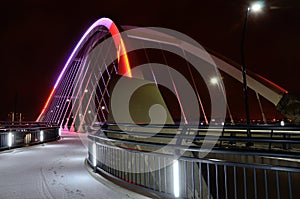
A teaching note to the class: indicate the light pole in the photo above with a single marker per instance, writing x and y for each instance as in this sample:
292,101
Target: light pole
255,7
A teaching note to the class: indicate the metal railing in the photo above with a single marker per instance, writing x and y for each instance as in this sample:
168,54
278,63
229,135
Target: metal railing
9,125
13,135
126,158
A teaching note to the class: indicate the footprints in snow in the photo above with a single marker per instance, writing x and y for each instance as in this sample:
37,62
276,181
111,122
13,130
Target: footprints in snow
77,192
58,169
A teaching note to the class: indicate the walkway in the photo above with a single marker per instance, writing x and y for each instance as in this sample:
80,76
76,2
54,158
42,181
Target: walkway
53,170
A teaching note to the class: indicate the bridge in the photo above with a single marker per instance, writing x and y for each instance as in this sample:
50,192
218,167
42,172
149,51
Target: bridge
154,112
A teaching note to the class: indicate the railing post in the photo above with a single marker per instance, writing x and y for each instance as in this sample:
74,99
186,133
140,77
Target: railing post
271,136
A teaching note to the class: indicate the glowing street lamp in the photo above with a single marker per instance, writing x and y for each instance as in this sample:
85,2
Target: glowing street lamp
255,7
214,80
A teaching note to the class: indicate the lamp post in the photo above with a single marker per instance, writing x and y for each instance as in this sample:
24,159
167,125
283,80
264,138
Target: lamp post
255,7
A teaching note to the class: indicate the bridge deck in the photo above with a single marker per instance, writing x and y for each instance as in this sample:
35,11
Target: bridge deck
53,170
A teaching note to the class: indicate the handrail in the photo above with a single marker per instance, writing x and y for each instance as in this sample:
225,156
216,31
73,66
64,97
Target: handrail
288,126
17,125
115,153
267,138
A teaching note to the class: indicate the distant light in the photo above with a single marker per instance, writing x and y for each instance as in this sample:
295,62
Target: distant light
89,111
214,80
41,136
10,139
86,90
256,7
215,160
282,123
176,178
68,100
102,107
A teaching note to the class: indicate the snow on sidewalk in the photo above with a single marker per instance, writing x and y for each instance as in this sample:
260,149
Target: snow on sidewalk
54,170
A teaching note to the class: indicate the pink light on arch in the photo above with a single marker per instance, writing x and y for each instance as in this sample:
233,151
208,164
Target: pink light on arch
123,60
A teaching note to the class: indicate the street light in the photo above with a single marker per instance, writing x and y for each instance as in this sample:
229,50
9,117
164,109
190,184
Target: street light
216,81
255,7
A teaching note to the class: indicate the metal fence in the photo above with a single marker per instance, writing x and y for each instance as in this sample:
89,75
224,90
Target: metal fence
27,134
187,176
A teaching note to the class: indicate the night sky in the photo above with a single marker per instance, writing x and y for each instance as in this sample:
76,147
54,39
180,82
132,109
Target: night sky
36,37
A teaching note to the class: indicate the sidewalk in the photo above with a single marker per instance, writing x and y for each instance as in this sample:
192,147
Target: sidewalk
54,170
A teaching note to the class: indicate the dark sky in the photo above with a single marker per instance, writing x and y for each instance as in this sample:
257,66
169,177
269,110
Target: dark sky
36,37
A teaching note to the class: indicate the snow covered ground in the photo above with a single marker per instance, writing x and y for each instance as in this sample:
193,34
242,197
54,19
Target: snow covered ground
53,170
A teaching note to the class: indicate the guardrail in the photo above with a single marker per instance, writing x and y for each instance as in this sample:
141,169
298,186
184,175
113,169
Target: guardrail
23,135
125,157
27,124
264,138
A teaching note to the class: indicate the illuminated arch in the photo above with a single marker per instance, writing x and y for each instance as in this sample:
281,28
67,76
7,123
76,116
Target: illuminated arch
119,44
260,85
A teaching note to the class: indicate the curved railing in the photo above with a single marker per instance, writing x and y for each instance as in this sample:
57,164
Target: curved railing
229,171
27,133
